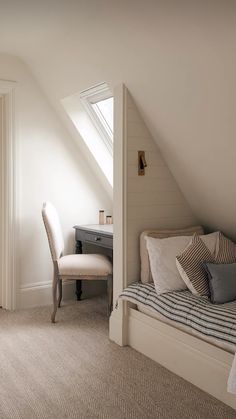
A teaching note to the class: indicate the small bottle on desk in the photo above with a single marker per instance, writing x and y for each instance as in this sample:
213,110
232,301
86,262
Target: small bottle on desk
101,217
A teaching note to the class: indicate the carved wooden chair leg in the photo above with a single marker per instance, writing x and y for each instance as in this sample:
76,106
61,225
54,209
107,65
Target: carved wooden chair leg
109,294
54,296
59,292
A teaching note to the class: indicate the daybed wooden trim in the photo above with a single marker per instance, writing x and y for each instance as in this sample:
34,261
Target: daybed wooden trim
197,361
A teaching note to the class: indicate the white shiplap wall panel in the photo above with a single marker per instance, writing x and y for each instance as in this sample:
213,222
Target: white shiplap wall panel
137,129
144,185
153,200
157,211
155,172
136,143
146,198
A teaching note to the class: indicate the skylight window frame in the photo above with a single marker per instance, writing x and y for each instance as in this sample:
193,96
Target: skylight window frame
90,97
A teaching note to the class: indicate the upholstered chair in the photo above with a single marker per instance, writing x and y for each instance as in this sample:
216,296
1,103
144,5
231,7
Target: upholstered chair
75,266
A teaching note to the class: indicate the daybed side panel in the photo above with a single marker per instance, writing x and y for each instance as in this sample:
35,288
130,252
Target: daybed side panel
199,362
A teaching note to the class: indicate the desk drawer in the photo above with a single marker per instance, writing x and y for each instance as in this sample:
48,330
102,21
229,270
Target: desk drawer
98,239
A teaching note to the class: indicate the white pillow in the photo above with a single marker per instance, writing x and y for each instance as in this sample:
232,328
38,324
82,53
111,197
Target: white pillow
162,254
162,257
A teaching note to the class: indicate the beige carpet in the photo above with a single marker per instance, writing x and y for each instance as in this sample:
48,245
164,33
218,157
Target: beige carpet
71,370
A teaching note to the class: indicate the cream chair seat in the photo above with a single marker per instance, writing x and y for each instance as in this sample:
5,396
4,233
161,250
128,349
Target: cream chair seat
76,266
71,266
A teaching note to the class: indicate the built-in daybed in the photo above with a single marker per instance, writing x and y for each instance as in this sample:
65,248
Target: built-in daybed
185,333
194,315
154,200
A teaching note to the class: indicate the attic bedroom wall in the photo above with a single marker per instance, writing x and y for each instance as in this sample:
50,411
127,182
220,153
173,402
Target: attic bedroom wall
176,57
49,167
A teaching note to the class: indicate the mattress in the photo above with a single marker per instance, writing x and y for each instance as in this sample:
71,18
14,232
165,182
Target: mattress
195,315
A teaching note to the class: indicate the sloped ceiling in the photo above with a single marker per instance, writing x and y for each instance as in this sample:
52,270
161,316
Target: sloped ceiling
178,59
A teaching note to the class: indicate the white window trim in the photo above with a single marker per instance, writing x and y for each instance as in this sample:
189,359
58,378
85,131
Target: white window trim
91,96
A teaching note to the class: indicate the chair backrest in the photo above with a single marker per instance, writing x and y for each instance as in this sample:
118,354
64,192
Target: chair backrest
53,230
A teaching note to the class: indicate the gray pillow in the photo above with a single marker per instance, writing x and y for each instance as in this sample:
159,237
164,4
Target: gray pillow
222,282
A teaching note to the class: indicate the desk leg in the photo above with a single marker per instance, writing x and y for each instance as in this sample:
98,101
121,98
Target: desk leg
78,291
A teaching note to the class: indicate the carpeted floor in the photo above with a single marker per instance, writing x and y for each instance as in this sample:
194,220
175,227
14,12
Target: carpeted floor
71,370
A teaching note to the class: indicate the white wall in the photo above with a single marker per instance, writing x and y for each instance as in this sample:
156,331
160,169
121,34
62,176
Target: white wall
177,59
50,167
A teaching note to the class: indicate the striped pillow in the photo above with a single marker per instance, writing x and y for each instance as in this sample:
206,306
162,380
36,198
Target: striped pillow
226,250
190,266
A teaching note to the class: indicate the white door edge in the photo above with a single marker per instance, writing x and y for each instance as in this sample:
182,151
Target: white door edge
8,198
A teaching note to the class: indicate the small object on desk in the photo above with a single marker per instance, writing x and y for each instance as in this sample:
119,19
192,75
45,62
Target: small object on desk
101,217
109,219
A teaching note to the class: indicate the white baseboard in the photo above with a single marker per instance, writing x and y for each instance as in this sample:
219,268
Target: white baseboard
198,362
40,294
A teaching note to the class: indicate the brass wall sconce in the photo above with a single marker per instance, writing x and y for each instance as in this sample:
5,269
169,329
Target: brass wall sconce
141,163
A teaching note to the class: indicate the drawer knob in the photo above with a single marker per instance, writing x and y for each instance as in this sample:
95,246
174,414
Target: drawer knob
97,239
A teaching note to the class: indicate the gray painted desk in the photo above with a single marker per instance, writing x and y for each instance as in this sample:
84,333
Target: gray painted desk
97,235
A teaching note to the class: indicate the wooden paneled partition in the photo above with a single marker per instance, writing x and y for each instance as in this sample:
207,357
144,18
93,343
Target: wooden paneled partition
153,200
140,202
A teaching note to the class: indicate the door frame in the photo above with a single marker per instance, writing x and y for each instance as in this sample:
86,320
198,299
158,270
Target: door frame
8,198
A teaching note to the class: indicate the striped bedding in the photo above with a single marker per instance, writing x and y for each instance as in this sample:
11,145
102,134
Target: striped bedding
198,313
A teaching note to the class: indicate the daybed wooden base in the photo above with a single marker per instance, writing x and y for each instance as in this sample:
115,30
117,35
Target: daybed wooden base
198,362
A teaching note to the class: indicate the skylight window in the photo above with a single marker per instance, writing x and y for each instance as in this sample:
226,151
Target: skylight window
91,111
104,111
98,102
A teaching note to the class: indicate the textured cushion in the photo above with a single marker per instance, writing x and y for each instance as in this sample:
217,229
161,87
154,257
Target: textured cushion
191,266
160,234
222,282
226,250
162,254
84,265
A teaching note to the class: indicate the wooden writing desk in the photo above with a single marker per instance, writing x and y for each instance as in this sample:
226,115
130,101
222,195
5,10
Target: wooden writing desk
97,235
